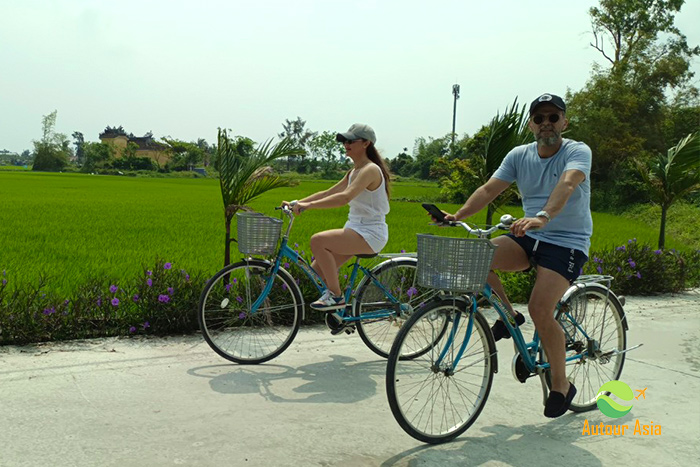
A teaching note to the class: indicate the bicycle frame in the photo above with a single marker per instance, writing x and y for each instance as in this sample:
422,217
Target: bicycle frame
286,252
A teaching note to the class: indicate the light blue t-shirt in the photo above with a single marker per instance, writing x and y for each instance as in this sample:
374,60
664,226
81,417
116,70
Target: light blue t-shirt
536,178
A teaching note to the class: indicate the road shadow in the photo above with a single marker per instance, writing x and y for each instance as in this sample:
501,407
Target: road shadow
340,380
550,443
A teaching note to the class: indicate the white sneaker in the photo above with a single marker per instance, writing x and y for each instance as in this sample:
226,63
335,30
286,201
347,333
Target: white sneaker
328,302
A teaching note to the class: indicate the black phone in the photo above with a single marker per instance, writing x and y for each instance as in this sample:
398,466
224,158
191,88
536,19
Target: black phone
435,212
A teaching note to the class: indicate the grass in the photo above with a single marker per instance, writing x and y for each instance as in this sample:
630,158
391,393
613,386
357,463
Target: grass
74,227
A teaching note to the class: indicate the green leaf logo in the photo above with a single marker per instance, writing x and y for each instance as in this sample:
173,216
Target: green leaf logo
608,406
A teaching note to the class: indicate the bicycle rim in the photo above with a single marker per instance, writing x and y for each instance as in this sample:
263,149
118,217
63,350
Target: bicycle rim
226,320
429,402
399,278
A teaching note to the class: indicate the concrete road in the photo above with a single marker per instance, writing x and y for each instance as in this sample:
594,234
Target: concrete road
161,402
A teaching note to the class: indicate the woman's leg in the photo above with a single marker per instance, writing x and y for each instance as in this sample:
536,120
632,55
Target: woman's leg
332,249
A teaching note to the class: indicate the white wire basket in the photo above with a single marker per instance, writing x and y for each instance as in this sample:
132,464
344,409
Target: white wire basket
454,264
257,234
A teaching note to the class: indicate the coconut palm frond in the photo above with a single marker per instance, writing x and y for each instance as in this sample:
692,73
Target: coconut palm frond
505,132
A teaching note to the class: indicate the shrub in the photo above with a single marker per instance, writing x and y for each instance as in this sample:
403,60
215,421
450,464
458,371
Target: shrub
161,301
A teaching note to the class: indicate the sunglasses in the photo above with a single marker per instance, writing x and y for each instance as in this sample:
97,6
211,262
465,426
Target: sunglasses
539,118
350,141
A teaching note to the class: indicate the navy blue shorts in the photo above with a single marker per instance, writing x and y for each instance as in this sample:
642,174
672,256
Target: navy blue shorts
566,261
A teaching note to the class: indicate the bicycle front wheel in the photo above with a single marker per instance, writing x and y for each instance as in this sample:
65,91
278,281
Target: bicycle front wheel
226,320
380,322
433,398
593,323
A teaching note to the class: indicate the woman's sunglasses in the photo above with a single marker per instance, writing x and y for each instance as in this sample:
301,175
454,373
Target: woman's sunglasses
539,118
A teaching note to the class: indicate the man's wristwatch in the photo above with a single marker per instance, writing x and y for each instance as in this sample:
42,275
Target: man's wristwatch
544,214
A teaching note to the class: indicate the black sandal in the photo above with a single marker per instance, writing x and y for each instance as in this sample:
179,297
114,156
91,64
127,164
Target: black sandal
500,331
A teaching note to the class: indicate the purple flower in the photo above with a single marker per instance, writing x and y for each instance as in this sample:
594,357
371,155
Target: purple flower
657,252
619,269
115,301
303,252
132,329
113,288
239,299
149,282
228,287
403,251
99,301
66,302
163,298
187,277
149,273
168,266
146,325
170,290
4,282
345,276
639,275
235,280
631,241
411,291
597,260
312,258
241,315
135,298
599,269
285,265
621,248
284,286
296,245
632,263
49,311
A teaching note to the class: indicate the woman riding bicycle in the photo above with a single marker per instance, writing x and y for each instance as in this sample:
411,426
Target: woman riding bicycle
366,189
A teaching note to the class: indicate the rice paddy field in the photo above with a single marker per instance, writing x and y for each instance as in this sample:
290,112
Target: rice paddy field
75,227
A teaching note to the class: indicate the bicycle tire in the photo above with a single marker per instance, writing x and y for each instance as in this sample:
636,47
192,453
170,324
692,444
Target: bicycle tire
587,306
399,276
227,324
428,402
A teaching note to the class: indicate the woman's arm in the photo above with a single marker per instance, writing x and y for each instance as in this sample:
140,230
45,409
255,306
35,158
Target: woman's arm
341,185
362,180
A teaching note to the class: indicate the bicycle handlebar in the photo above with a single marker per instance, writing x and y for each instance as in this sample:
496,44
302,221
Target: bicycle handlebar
504,224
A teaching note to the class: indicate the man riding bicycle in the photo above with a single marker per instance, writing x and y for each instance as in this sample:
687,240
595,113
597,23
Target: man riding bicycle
552,175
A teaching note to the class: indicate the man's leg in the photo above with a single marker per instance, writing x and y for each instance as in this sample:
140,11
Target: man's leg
549,288
509,256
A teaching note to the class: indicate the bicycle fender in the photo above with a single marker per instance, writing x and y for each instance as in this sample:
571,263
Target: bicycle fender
593,285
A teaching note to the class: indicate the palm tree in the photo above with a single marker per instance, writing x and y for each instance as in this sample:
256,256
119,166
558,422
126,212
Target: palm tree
672,176
244,174
505,132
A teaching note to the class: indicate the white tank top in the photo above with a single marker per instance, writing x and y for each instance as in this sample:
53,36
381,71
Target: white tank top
369,205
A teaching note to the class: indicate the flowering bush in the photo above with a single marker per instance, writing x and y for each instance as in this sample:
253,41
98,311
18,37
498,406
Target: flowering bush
638,270
161,300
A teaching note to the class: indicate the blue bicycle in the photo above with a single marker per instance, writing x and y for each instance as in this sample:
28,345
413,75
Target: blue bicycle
438,395
250,311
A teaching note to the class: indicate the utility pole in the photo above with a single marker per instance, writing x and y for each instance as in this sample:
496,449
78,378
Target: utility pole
455,92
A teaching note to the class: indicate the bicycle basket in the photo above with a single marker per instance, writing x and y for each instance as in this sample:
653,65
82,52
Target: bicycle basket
454,264
257,234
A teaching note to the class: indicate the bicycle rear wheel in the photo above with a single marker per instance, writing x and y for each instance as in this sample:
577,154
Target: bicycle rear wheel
398,277
227,323
595,311
431,399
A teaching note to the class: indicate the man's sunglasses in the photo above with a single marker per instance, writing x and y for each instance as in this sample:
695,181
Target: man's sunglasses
539,118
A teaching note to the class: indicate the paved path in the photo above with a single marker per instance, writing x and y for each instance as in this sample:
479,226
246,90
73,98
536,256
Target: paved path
160,402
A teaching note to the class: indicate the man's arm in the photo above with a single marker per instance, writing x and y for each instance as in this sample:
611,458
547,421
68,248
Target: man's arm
568,182
480,198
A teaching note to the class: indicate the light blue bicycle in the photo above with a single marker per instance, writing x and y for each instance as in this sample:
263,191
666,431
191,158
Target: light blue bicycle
438,395
250,311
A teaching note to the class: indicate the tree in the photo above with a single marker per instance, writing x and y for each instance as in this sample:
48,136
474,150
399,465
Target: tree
185,156
623,112
96,155
328,150
672,176
244,174
79,141
299,136
52,152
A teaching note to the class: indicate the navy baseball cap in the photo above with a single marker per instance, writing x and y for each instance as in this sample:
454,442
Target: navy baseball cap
553,99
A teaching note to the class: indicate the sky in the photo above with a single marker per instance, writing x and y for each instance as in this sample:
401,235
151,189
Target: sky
183,69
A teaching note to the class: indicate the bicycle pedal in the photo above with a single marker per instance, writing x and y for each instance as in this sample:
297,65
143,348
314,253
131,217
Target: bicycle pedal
349,330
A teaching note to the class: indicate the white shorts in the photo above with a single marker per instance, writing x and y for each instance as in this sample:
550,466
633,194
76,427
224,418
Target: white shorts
376,234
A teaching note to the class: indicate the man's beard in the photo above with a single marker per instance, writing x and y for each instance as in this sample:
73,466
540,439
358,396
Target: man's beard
553,140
